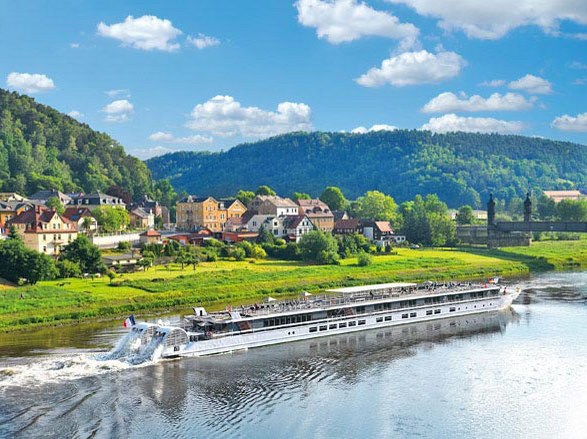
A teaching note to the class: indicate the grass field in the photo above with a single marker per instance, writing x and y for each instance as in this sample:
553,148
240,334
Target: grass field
216,284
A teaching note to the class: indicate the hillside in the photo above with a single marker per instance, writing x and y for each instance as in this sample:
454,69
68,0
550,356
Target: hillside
460,167
41,148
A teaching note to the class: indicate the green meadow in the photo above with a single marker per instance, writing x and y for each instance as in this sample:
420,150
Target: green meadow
217,284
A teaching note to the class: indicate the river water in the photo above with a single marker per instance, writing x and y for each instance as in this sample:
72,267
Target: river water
517,374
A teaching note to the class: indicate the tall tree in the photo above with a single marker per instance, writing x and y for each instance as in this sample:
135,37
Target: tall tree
265,190
84,253
320,247
334,198
245,197
376,205
55,204
301,196
465,215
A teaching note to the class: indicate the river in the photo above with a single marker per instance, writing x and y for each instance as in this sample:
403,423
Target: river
517,374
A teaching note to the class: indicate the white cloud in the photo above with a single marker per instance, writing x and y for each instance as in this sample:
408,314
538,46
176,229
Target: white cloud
452,122
379,127
118,92
340,21
410,68
578,65
74,45
580,81
195,139
571,123
494,19
449,102
223,116
202,41
493,83
76,114
148,153
146,33
118,111
29,82
532,84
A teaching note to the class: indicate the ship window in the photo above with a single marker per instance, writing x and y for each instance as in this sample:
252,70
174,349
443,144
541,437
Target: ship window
452,309
436,311
314,329
342,325
360,309
332,326
387,306
413,314
352,323
379,319
387,318
429,312
362,322
405,316
323,328
378,307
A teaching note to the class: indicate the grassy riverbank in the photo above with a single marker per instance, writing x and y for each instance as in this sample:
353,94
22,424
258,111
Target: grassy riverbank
216,284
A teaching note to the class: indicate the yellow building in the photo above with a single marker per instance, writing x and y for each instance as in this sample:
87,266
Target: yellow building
44,230
192,212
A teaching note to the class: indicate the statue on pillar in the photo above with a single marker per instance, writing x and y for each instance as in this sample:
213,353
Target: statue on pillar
527,208
491,211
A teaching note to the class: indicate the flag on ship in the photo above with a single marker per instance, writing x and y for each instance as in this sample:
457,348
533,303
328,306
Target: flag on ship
130,321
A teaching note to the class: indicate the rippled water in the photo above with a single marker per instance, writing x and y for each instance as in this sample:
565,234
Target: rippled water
521,373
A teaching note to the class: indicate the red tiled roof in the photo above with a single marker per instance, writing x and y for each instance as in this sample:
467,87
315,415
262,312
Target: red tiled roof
35,218
351,223
384,226
151,233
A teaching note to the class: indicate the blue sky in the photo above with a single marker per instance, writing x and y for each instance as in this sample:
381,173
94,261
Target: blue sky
164,76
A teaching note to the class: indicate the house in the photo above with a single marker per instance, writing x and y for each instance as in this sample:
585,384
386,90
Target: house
44,230
11,196
150,236
348,227
297,226
83,218
256,221
149,205
558,196
273,205
195,238
239,236
10,209
380,232
340,214
124,262
141,219
192,212
44,195
319,213
97,199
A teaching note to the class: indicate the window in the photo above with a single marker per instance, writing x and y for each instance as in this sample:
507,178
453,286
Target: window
352,323
429,312
314,329
405,316
333,326
413,314
362,322
323,328
387,318
342,325
452,309
379,319
436,311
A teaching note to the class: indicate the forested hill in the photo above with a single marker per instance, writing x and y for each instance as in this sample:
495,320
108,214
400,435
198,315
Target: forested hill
41,148
459,167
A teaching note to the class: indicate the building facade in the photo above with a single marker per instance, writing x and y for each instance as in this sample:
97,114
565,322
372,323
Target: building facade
273,205
319,213
193,212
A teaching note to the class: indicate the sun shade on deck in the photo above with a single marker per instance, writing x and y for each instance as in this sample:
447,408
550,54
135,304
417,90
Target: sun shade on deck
367,288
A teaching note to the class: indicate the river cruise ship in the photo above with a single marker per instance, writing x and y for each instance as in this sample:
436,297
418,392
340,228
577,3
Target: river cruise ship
340,311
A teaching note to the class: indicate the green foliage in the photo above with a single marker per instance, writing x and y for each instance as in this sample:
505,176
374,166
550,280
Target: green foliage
265,190
351,244
364,259
334,198
123,245
85,254
376,205
55,204
41,148
237,253
301,196
465,215
67,268
317,246
13,234
19,262
245,197
572,210
546,208
427,221
111,219
461,168
265,236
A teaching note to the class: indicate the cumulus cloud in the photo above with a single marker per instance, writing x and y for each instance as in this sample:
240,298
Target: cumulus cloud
195,139
118,111
146,33
202,41
449,102
74,45
493,19
29,82
340,21
76,114
148,153
532,84
379,127
410,68
118,92
493,83
571,123
224,116
452,122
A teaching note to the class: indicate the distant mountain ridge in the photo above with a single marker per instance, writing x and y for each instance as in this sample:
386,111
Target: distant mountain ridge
461,168
41,148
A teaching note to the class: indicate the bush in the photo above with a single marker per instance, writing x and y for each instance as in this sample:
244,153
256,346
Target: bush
364,259
238,254
124,245
68,268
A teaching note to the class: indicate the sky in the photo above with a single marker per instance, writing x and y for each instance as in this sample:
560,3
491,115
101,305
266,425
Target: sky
163,76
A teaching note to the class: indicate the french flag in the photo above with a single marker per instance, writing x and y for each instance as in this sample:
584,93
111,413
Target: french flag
130,321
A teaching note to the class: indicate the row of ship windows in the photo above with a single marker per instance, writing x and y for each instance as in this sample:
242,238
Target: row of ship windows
340,325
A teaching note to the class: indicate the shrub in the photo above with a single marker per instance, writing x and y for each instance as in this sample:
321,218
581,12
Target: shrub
364,259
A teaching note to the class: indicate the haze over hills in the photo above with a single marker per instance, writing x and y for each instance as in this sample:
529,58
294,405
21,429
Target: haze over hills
461,168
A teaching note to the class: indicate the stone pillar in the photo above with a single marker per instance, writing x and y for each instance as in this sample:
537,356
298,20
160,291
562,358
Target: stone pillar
527,208
491,211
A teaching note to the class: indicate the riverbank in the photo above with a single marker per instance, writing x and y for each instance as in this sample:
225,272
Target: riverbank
216,284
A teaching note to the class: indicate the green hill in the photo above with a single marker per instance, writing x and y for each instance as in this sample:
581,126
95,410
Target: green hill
41,148
461,168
